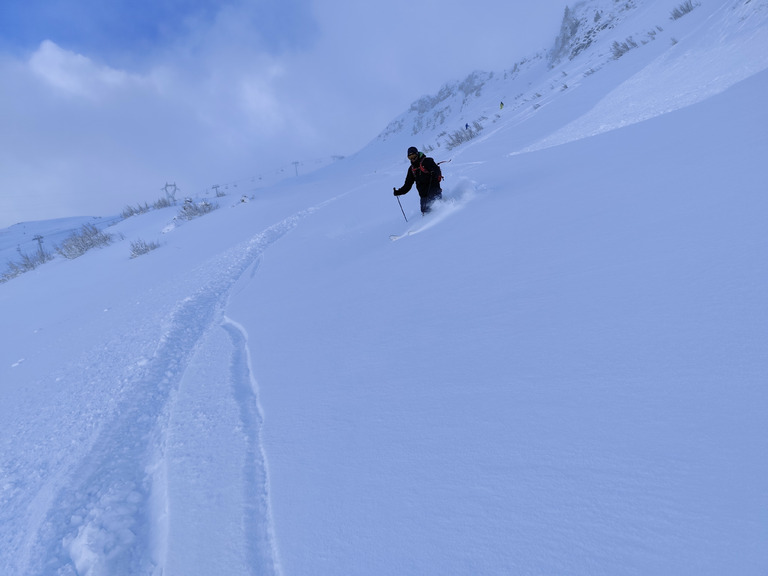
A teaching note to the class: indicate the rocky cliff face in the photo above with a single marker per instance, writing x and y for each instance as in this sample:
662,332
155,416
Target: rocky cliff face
583,24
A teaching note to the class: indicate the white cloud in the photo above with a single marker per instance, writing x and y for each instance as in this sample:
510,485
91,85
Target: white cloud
74,73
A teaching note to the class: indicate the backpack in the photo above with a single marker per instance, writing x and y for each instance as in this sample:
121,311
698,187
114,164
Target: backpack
440,176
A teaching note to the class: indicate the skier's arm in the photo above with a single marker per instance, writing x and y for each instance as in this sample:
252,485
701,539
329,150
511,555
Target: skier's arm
409,180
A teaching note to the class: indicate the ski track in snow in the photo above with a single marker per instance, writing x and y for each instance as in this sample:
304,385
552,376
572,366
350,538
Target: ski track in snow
262,550
111,503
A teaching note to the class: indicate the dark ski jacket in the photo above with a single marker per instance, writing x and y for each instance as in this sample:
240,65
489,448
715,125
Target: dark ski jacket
426,174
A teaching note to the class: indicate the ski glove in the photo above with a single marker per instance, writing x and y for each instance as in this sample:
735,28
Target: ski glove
397,192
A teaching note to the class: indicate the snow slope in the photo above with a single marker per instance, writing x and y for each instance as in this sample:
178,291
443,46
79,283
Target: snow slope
560,371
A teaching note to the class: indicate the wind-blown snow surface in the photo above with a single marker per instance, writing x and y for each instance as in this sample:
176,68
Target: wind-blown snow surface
560,371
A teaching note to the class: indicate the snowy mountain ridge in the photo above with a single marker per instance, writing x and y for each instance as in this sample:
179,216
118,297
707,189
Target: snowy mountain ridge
594,35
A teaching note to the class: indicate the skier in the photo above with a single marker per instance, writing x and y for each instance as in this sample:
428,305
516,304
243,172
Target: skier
426,174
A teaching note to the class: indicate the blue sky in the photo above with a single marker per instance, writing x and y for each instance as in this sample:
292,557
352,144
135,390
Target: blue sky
103,102
130,32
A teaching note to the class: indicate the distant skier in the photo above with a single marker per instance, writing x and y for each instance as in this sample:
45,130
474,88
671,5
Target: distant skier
501,105
426,174
466,126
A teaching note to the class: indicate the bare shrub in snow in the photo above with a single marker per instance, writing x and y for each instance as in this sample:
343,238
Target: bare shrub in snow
682,10
621,48
140,247
190,210
458,137
80,242
129,211
25,263
164,202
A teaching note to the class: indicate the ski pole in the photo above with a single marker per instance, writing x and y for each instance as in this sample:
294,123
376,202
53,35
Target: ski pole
401,208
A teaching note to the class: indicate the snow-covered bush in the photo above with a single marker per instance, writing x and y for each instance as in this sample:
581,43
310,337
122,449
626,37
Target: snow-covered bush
80,242
129,211
621,48
25,263
458,137
191,210
140,247
164,202
682,10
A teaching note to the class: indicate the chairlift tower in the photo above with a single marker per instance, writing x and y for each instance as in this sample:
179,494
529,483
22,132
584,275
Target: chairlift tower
170,191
